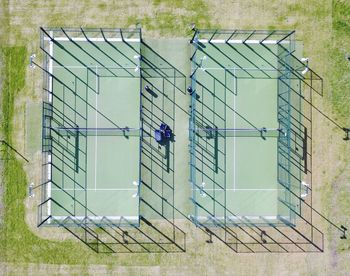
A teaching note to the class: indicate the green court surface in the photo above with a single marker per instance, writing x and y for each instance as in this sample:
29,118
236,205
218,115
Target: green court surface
165,190
96,85
97,174
237,174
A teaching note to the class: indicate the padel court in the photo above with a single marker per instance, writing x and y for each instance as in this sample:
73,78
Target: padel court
95,129
239,134
103,99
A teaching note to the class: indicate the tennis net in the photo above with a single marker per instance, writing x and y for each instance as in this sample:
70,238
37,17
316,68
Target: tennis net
236,132
69,131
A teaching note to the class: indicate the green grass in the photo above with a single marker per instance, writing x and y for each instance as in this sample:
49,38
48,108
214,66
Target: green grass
13,82
340,97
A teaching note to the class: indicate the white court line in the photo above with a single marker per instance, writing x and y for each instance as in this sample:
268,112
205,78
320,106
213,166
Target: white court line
128,66
242,68
100,217
49,173
121,189
234,126
94,39
197,189
239,41
96,107
98,67
50,69
49,186
241,217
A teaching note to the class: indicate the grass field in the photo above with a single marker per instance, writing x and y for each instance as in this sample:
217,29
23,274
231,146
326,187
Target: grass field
324,28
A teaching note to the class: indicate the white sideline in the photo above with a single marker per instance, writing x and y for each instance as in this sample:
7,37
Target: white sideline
99,217
96,107
240,41
49,172
234,126
93,39
50,70
235,189
49,178
238,218
72,189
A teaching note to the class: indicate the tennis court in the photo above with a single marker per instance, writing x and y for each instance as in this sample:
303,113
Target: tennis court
241,137
238,132
95,127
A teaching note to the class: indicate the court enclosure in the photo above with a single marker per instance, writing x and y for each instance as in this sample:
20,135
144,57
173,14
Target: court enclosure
237,103
241,129
94,127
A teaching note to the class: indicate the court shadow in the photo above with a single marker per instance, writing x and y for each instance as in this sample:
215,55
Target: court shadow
161,81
